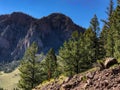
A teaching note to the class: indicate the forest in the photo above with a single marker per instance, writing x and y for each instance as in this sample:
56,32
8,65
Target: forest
78,54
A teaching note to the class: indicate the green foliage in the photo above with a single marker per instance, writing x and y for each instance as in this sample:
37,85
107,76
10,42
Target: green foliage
110,9
84,78
29,69
70,59
75,35
100,61
116,28
112,42
106,42
77,54
89,45
100,64
51,65
94,25
110,45
1,88
102,43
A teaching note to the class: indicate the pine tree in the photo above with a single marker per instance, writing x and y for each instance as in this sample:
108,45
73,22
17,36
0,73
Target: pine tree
74,55
67,61
69,54
116,27
94,25
29,69
110,44
51,64
102,43
110,9
106,36
89,49
109,13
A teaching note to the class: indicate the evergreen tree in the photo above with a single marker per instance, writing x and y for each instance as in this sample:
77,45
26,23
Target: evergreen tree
74,55
67,61
89,49
51,64
110,44
110,9
29,69
109,12
102,43
116,27
106,36
70,58
94,25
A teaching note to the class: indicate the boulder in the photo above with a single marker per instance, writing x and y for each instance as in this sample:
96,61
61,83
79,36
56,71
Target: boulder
109,62
90,75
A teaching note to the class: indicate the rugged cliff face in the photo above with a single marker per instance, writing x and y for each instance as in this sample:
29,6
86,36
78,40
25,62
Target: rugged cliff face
18,31
13,28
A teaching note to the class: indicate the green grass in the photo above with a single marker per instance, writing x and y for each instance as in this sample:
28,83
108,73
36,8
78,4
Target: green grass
118,60
8,81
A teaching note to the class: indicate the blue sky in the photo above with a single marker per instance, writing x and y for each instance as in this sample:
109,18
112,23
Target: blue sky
80,11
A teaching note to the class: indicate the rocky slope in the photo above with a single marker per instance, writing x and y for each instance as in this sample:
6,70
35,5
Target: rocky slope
18,31
13,28
108,79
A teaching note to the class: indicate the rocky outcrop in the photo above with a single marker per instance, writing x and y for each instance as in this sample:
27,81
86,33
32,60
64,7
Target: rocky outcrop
18,31
108,79
109,62
106,63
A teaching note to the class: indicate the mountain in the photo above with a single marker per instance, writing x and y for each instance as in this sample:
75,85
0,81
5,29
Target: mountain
18,31
13,28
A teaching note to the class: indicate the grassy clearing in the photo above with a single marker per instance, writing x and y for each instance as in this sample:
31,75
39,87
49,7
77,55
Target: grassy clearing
8,81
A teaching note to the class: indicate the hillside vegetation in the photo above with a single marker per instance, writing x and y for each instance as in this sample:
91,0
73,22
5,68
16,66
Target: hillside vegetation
78,54
73,66
9,81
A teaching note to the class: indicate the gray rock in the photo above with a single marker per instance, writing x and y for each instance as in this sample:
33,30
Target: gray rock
90,75
109,62
18,31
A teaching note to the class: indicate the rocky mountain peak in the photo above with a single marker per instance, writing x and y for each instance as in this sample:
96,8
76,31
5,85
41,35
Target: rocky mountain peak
18,31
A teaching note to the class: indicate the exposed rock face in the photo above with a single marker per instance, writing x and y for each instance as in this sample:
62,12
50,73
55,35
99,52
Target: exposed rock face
13,28
110,61
108,79
106,63
18,31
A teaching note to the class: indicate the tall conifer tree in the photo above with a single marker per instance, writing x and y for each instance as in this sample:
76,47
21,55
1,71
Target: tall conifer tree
94,25
29,69
51,64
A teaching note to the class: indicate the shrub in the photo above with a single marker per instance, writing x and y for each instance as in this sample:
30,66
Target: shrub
100,64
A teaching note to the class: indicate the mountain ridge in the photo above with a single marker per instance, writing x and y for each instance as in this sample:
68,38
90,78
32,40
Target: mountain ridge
19,30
